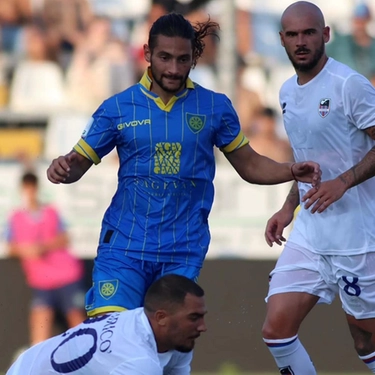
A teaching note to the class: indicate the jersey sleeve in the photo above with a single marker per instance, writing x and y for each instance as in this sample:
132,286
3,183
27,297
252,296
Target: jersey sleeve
229,136
180,365
138,366
99,136
359,101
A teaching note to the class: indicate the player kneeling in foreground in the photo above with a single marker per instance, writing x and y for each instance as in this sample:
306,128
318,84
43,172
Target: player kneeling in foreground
152,340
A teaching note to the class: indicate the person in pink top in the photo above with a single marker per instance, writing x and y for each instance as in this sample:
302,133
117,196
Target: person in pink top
36,235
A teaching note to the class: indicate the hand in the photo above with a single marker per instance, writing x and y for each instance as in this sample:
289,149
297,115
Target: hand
307,171
59,169
275,226
30,251
328,192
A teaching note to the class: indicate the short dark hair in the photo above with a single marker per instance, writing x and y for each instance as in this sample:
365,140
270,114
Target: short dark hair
29,178
170,291
175,24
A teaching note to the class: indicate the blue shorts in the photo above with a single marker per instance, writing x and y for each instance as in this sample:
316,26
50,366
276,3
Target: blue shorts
64,299
121,282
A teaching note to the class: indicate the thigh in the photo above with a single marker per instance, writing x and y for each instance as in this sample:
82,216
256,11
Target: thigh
301,271
42,298
285,313
190,272
70,297
119,283
355,277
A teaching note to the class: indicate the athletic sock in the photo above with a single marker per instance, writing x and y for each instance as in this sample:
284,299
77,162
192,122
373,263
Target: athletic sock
290,356
369,361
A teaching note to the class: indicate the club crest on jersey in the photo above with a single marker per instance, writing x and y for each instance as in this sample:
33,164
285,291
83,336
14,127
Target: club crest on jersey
195,122
324,107
108,288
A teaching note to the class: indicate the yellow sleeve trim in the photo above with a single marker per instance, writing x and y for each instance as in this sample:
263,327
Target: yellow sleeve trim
237,143
104,310
85,150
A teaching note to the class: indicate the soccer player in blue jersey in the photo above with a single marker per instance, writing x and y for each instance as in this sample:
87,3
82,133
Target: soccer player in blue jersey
164,129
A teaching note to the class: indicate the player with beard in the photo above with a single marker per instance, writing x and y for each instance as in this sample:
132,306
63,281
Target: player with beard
155,340
329,116
165,129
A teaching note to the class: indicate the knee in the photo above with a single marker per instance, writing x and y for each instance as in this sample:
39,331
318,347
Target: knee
274,329
362,337
363,346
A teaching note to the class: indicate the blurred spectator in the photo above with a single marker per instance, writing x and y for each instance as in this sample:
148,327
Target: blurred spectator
248,100
266,140
64,22
101,66
13,15
36,235
205,71
37,85
356,49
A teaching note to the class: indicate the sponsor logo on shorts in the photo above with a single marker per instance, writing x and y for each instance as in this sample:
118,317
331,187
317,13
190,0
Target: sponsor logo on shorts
108,288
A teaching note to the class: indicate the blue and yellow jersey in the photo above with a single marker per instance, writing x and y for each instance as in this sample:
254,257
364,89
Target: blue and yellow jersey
167,166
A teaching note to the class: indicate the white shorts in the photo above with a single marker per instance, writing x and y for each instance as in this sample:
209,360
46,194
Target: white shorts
352,277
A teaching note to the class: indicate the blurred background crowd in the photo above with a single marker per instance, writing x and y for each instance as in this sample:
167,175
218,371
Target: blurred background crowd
59,59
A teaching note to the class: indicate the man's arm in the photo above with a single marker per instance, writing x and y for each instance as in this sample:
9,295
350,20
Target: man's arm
332,190
138,366
258,169
69,168
282,218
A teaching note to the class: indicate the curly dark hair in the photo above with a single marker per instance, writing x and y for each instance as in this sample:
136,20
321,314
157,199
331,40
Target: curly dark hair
175,24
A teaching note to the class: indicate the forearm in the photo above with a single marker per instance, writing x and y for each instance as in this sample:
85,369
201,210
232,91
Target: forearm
360,172
292,199
265,171
58,242
13,250
77,169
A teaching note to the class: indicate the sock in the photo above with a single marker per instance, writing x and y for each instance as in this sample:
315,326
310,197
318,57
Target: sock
369,361
290,356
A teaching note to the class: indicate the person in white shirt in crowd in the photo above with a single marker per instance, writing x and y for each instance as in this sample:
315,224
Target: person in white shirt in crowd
156,339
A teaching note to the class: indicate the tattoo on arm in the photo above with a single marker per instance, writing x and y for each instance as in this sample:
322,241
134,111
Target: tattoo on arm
293,196
362,171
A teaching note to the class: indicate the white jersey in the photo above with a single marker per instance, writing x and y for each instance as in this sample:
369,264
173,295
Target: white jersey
324,120
115,344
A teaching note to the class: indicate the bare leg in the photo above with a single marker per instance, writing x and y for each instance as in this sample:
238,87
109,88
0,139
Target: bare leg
363,333
285,313
75,317
41,321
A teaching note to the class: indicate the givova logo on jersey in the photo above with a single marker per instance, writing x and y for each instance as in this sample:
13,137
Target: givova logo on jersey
195,122
108,288
324,107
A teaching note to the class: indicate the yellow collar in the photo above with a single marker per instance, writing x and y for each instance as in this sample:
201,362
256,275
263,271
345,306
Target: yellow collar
146,82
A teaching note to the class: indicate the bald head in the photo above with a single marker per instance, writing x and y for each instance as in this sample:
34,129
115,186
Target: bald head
302,9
